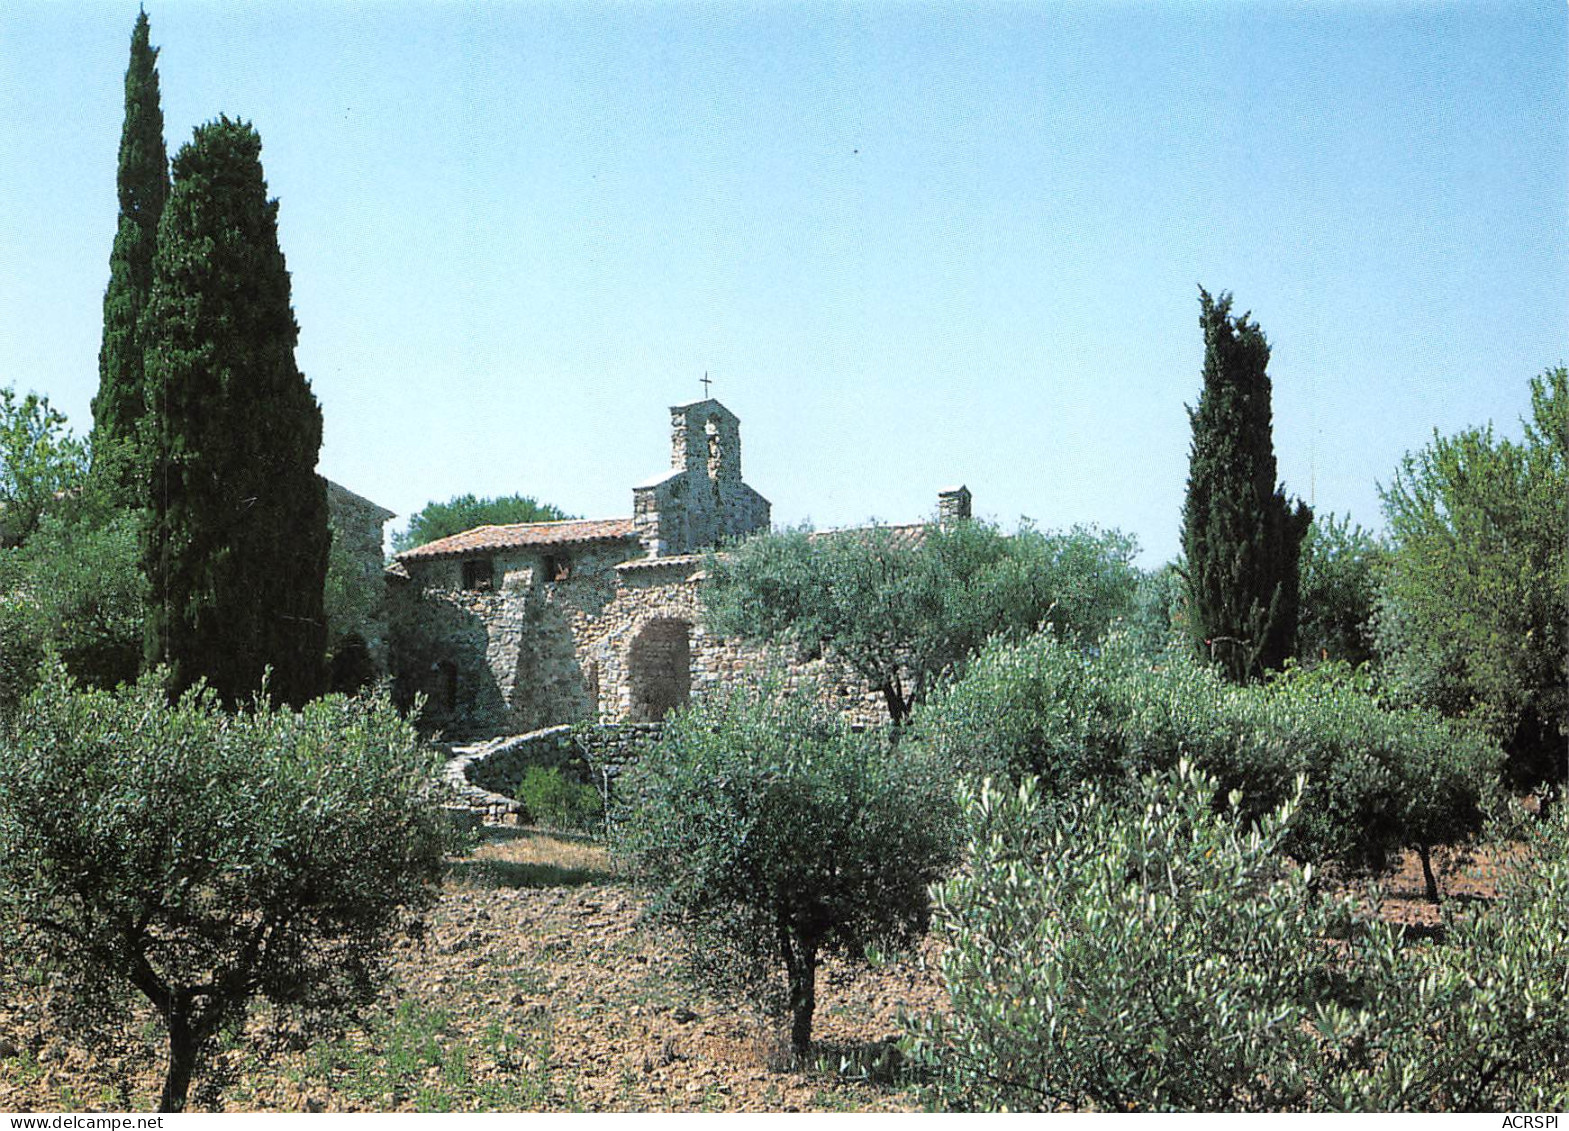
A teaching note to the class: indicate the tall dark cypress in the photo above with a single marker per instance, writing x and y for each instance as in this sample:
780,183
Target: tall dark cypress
143,181
236,551
1242,538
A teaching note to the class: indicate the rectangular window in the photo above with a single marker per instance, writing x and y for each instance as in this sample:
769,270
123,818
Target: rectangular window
557,567
479,573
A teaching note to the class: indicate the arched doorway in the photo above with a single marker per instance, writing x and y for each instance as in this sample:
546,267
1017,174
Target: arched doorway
659,669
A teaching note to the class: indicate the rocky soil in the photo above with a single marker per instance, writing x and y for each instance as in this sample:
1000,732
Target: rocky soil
535,987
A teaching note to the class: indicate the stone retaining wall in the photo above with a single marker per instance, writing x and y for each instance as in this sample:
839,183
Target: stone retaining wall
485,776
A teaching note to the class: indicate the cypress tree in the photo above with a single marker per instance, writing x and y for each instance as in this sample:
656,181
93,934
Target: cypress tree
237,543
1242,537
143,182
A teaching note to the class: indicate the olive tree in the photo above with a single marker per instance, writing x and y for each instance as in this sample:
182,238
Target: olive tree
773,834
1377,779
1155,955
904,607
1482,1022
1167,955
205,859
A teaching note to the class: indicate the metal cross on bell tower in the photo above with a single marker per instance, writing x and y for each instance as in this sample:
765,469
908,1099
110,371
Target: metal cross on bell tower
706,383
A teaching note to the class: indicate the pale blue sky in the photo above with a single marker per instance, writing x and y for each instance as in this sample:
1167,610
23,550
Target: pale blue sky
914,244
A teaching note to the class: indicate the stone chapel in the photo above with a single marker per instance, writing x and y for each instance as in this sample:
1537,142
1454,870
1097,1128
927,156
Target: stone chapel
508,629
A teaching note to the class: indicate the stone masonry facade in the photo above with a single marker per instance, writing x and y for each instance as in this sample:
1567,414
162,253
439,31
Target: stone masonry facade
357,525
510,629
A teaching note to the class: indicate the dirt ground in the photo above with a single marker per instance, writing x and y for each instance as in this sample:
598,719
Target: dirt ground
535,987
1463,876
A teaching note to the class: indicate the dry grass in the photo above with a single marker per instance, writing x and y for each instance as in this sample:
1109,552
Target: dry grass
527,857
537,986
534,986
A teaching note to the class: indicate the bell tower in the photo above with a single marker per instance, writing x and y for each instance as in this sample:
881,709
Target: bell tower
701,500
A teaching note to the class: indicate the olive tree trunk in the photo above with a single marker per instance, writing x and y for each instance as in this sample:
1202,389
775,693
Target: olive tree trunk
800,958
184,1052
1425,853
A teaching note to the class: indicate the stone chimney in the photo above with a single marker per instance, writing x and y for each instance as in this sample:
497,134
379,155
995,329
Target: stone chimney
953,505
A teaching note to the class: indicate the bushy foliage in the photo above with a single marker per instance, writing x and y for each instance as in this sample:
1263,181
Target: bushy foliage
1339,583
554,800
205,859
1158,618
1377,779
1240,535
75,593
1047,708
772,834
1164,955
902,611
1473,610
1480,1020
40,461
237,544
1148,953
465,512
22,649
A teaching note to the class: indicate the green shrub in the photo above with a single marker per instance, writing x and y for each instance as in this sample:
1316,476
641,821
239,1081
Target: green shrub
1163,955
1377,779
1157,620
1479,1022
1339,582
203,859
40,462
1473,607
1153,955
772,834
21,647
556,801
1044,707
73,592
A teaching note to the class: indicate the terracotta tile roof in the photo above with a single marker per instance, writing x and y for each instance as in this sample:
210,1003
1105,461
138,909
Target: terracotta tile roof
521,535
903,536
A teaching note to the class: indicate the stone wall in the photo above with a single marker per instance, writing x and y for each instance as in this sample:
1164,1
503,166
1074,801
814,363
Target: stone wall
358,530
441,647
594,753
485,778
661,591
505,641
514,658
613,643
